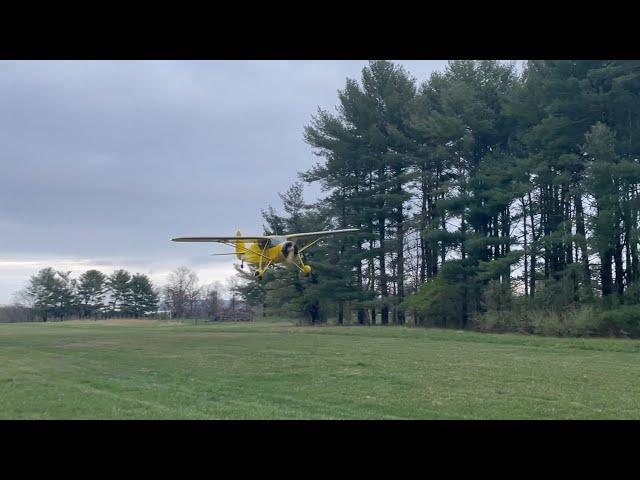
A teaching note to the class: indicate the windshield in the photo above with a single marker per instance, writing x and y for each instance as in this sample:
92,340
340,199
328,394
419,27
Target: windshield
278,240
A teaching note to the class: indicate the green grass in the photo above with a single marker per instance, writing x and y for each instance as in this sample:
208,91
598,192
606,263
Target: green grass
163,370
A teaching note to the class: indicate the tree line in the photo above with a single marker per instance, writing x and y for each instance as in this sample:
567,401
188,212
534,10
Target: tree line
483,194
54,295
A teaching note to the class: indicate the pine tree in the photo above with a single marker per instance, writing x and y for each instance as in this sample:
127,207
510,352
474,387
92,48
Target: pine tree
51,294
487,188
119,283
367,151
143,297
92,290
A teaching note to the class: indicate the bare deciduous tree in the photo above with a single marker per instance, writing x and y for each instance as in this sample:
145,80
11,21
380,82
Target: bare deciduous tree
212,300
233,283
182,292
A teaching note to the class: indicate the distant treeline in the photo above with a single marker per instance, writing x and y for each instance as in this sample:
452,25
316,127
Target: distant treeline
55,295
487,198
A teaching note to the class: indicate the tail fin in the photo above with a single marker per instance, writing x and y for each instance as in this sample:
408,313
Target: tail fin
240,247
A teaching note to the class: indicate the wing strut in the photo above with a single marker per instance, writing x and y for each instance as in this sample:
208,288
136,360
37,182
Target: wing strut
310,244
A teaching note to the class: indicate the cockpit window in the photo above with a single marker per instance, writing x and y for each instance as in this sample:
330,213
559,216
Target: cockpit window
278,240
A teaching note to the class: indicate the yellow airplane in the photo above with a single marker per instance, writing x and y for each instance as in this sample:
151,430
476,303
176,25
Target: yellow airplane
268,250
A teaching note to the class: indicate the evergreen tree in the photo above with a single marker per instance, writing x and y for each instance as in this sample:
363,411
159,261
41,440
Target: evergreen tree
119,283
50,294
143,297
284,288
251,290
484,185
92,290
367,151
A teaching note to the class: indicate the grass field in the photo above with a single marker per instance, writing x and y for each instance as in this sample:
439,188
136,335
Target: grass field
162,370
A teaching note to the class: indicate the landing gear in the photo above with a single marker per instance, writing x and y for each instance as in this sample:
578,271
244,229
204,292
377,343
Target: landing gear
305,269
260,271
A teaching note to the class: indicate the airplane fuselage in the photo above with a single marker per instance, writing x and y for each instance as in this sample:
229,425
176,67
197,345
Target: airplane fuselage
275,250
255,252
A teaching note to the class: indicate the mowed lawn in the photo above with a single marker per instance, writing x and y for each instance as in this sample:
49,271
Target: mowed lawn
163,370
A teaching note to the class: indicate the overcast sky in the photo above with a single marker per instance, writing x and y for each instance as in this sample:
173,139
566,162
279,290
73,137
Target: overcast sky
102,162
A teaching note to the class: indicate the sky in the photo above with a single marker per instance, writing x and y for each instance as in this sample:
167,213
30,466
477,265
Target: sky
103,162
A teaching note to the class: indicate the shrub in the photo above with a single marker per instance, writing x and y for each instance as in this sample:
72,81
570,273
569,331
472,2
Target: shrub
623,320
559,294
437,303
496,296
584,321
501,322
572,322
632,294
578,322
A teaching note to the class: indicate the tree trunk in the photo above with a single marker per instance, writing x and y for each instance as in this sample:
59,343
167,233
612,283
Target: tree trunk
400,267
525,275
606,280
443,251
582,241
617,258
423,226
534,237
360,312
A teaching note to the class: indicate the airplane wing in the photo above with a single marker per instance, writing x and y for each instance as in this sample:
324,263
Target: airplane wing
256,238
318,235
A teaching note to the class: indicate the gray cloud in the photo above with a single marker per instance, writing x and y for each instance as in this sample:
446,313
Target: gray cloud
102,162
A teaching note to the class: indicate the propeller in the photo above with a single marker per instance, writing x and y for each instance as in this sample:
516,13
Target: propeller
289,250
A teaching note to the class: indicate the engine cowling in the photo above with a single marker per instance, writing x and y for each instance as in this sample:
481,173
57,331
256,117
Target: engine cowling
289,250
